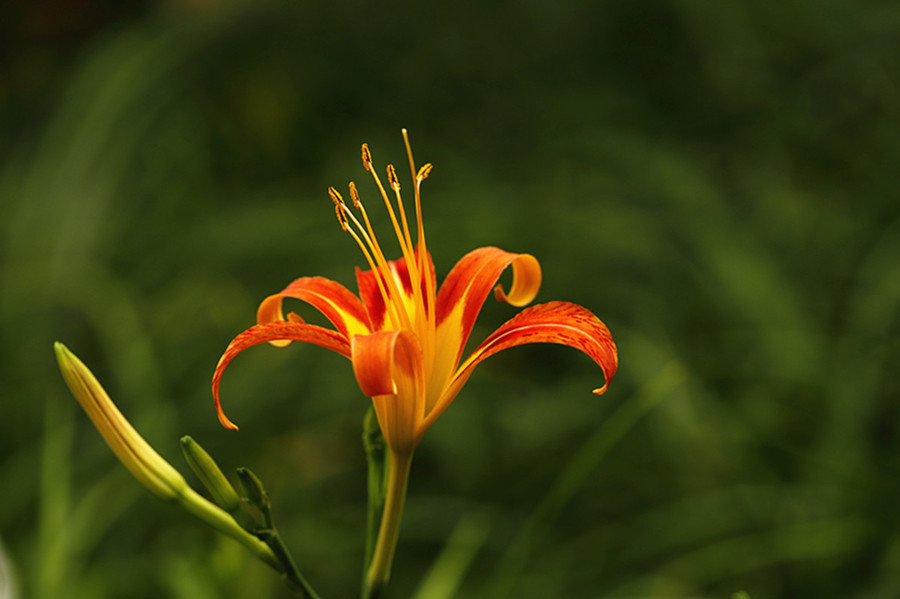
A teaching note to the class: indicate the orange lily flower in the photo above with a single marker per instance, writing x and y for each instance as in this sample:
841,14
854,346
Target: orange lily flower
405,336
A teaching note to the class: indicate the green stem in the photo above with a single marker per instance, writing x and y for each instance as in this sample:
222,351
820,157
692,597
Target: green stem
291,572
216,517
380,568
257,496
376,459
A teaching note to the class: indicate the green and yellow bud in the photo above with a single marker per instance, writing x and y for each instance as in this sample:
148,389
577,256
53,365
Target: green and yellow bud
147,466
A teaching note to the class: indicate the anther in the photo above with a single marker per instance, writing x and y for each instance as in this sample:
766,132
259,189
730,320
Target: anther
366,157
424,172
335,196
342,218
392,177
354,195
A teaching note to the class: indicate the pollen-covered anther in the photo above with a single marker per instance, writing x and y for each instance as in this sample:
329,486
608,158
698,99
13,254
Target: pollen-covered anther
354,195
423,172
392,177
366,157
335,196
342,218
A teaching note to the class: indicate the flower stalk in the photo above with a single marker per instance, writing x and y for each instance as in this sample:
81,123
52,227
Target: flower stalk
373,444
380,568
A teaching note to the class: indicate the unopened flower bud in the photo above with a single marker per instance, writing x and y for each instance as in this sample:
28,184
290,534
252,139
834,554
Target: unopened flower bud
253,489
151,470
216,483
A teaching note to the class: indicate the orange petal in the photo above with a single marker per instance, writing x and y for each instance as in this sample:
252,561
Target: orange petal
389,368
553,322
336,302
462,295
467,285
274,331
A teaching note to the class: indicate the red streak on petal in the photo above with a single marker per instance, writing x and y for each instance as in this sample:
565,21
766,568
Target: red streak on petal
372,299
553,322
401,270
371,296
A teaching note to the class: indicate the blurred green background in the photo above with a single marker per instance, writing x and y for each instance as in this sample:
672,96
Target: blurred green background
718,181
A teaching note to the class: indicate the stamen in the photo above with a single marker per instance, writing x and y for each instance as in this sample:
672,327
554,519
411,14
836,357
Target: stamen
335,196
403,237
395,186
400,310
342,218
392,177
367,241
406,245
339,208
374,259
368,232
366,157
354,195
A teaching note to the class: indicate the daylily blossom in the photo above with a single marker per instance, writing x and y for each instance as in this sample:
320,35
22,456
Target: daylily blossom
405,336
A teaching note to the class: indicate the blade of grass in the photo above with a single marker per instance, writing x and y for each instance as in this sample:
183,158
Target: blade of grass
577,470
52,556
446,574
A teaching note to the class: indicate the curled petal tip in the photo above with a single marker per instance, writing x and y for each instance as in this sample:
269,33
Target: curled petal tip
526,282
229,424
562,323
223,419
273,331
